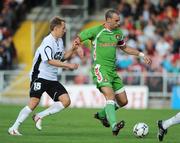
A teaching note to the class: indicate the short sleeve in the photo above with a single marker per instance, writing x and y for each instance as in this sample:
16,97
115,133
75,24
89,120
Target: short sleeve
121,41
46,51
89,34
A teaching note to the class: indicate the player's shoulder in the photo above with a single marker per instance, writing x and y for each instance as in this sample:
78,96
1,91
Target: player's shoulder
48,40
96,28
99,27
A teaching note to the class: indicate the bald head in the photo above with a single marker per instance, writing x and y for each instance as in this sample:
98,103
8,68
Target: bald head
112,19
109,13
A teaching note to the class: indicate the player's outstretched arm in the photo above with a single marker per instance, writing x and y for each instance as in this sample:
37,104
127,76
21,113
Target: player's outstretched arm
68,54
65,65
132,51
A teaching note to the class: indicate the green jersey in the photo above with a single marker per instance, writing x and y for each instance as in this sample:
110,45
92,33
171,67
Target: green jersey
104,43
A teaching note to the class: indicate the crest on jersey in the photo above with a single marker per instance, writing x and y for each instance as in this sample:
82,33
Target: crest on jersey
118,37
58,56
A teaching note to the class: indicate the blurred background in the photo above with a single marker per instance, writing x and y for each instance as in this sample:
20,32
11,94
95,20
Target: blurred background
151,26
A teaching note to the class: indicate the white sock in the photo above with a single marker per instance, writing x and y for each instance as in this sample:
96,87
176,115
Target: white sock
56,107
174,120
23,114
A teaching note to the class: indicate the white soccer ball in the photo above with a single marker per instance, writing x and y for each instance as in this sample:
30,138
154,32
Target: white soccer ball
140,130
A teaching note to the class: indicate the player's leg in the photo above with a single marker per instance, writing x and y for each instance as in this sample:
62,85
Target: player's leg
110,110
36,90
101,78
62,100
101,115
121,99
120,94
57,106
23,114
172,121
164,125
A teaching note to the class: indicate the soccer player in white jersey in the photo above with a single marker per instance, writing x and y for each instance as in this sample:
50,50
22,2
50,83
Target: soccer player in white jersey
48,58
165,124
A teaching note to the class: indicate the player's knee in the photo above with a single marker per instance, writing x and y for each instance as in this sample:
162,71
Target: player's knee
33,103
124,103
66,102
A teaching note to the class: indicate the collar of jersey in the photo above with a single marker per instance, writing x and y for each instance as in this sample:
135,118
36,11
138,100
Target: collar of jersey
106,28
54,38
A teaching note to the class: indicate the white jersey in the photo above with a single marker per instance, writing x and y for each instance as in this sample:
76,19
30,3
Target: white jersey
49,49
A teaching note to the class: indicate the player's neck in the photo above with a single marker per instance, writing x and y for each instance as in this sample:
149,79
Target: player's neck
107,26
54,35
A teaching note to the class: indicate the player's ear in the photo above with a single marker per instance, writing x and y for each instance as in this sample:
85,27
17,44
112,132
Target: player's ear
55,28
108,19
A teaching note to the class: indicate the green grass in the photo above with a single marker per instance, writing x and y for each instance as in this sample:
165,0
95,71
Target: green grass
78,126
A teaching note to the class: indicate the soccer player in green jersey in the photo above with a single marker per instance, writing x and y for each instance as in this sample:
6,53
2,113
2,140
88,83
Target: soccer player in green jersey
105,40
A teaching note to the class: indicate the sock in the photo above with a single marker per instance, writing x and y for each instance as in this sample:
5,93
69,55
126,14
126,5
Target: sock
110,112
23,114
174,120
116,105
56,107
102,113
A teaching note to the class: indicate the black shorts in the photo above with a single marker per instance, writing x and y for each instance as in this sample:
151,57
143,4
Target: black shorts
53,88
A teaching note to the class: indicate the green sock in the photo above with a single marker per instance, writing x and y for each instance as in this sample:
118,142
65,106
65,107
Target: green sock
116,107
102,113
110,113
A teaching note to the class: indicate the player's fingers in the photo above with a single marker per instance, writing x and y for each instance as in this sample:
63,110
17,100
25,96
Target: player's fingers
77,65
148,61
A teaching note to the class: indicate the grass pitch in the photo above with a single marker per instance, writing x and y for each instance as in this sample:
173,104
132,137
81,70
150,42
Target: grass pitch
78,126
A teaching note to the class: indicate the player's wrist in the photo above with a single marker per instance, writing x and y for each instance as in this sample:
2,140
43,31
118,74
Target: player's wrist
141,55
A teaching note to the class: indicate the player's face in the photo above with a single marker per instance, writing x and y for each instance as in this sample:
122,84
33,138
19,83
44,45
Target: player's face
114,21
60,30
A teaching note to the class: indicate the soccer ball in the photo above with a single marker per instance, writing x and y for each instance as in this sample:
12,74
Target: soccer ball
140,130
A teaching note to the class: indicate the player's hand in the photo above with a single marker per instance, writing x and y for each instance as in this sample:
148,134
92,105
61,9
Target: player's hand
147,60
77,41
75,46
80,52
73,66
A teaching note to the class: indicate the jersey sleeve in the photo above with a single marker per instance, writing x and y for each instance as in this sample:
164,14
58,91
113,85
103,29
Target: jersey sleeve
89,34
121,41
46,51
